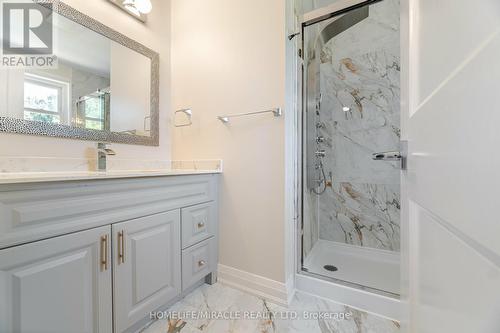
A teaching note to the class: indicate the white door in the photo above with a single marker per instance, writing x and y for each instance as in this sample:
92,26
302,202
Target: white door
146,266
58,285
452,238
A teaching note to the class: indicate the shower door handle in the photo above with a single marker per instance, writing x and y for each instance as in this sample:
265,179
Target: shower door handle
387,156
394,156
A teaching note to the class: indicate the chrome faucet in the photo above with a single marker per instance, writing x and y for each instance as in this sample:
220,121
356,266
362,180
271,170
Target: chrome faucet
102,154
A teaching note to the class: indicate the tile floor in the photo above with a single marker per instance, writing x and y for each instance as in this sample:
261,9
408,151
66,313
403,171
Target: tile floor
233,311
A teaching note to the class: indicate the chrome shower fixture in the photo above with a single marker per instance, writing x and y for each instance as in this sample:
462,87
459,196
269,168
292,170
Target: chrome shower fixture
318,104
320,153
321,181
320,139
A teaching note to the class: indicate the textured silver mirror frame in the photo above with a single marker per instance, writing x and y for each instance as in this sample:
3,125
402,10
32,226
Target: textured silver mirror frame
19,126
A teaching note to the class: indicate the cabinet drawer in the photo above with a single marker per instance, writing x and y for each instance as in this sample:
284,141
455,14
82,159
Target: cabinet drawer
198,223
198,261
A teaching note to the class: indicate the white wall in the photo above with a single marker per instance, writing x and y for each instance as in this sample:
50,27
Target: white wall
308,5
229,57
156,35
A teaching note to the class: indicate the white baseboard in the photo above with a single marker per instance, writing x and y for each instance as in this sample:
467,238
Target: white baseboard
270,290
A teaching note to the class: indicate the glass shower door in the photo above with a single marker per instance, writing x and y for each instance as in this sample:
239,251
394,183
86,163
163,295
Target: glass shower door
351,201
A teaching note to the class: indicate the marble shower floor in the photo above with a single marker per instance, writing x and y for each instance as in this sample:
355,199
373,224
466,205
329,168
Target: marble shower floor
244,313
368,267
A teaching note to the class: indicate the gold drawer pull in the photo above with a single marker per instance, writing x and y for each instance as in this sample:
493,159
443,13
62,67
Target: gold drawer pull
104,252
201,225
201,263
121,247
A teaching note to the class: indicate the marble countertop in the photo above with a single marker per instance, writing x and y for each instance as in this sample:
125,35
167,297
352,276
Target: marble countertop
16,170
39,177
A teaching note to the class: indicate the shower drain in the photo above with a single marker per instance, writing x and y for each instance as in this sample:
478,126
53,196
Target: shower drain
330,268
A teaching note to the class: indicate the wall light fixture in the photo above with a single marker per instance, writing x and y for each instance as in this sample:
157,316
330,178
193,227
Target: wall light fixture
137,8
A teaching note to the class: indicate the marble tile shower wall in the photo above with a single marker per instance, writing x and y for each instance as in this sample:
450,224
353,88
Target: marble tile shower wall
360,69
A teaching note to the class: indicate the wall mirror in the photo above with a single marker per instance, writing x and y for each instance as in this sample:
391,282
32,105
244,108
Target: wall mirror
104,87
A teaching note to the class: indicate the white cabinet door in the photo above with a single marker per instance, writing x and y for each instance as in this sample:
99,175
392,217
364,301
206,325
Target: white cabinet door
452,242
147,267
57,285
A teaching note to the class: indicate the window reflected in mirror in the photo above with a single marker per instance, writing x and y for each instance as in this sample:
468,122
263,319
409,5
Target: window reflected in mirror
93,110
78,99
103,87
43,99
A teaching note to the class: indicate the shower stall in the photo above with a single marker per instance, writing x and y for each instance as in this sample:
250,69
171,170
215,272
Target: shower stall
350,188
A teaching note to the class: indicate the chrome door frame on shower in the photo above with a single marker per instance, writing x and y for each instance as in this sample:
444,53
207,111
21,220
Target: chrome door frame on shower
336,10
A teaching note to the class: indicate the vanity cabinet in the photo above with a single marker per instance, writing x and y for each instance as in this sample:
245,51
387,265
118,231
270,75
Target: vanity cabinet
138,256
58,285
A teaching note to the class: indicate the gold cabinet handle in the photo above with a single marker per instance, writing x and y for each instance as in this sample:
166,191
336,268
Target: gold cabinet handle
201,263
201,225
121,247
104,253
